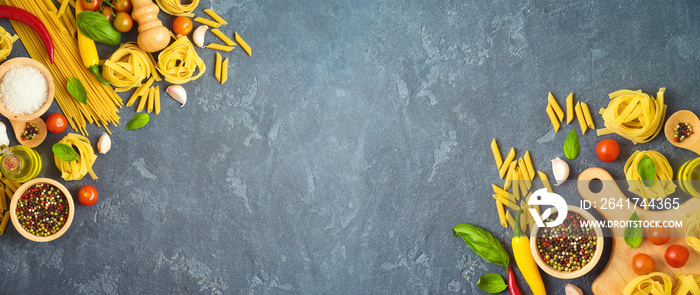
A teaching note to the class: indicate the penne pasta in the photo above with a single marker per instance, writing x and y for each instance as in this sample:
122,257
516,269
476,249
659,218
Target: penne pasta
570,108
516,183
151,99
545,181
500,199
220,47
207,22
510,219
587,114
217,67
506,162
223,37
501,214
528,165
496,154
522,183
555,106
224,71
499,191
509,175
552,118
242,43
3,224
157,100
215,16
581,118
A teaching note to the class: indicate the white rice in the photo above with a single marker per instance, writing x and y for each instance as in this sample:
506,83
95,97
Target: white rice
23,90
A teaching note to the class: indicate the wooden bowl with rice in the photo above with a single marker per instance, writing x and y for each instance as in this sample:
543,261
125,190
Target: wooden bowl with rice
38,108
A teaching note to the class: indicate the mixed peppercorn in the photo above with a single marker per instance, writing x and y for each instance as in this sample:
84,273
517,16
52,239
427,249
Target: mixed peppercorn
42,209
30,131
682,131
569,246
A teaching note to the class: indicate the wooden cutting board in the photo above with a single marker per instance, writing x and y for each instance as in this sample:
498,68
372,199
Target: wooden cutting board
618,273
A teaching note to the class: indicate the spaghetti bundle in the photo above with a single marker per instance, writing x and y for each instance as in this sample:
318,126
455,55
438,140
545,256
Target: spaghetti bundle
656,283
663,185
178,62
634,115
175,7
128,66
102,103
6,41
76,169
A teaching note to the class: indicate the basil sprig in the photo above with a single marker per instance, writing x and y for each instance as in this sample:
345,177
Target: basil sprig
492,283
76,89
633,231
571,145
139,120
647,171
483,243
64,152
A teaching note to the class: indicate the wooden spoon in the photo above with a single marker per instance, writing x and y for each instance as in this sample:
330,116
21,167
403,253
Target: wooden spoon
691,143
19,127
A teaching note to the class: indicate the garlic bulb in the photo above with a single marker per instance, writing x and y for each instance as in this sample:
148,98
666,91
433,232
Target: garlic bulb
560,169
178,93
104,144
198,35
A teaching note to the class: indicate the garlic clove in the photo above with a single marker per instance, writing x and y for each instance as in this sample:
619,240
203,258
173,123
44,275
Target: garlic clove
560,169
198,35
104,144
178,93
4,140
571,289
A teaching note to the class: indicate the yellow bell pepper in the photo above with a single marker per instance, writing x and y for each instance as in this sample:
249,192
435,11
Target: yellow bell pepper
88,52
523,257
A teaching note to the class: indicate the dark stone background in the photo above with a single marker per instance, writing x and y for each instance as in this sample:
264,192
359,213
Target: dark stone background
339,156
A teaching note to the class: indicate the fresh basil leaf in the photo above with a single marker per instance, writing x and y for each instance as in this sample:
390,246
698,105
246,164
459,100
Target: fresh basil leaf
76,89
492,283
483,243
633,231
64,152
571,145
647,171
139,120
96,27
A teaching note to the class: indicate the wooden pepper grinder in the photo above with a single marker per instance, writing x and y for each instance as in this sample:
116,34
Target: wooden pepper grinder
153,36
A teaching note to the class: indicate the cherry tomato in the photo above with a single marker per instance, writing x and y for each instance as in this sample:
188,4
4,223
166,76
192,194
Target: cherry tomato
123,22
93,5
182,25
676,256
122,5
106,11
643,264
658,235
56,123
607,150
87,195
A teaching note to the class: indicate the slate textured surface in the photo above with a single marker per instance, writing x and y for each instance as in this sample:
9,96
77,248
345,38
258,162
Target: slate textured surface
339,156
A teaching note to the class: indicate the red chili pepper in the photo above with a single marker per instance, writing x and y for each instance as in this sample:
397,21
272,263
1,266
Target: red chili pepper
512,284
32,21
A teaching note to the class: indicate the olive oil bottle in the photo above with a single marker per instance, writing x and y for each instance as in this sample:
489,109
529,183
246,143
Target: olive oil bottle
19,163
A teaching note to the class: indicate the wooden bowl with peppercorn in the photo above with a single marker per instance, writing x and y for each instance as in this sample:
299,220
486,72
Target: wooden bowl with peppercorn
42,209
568,250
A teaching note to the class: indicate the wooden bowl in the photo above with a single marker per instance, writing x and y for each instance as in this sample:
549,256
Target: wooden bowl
18,194
23,61
569,274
